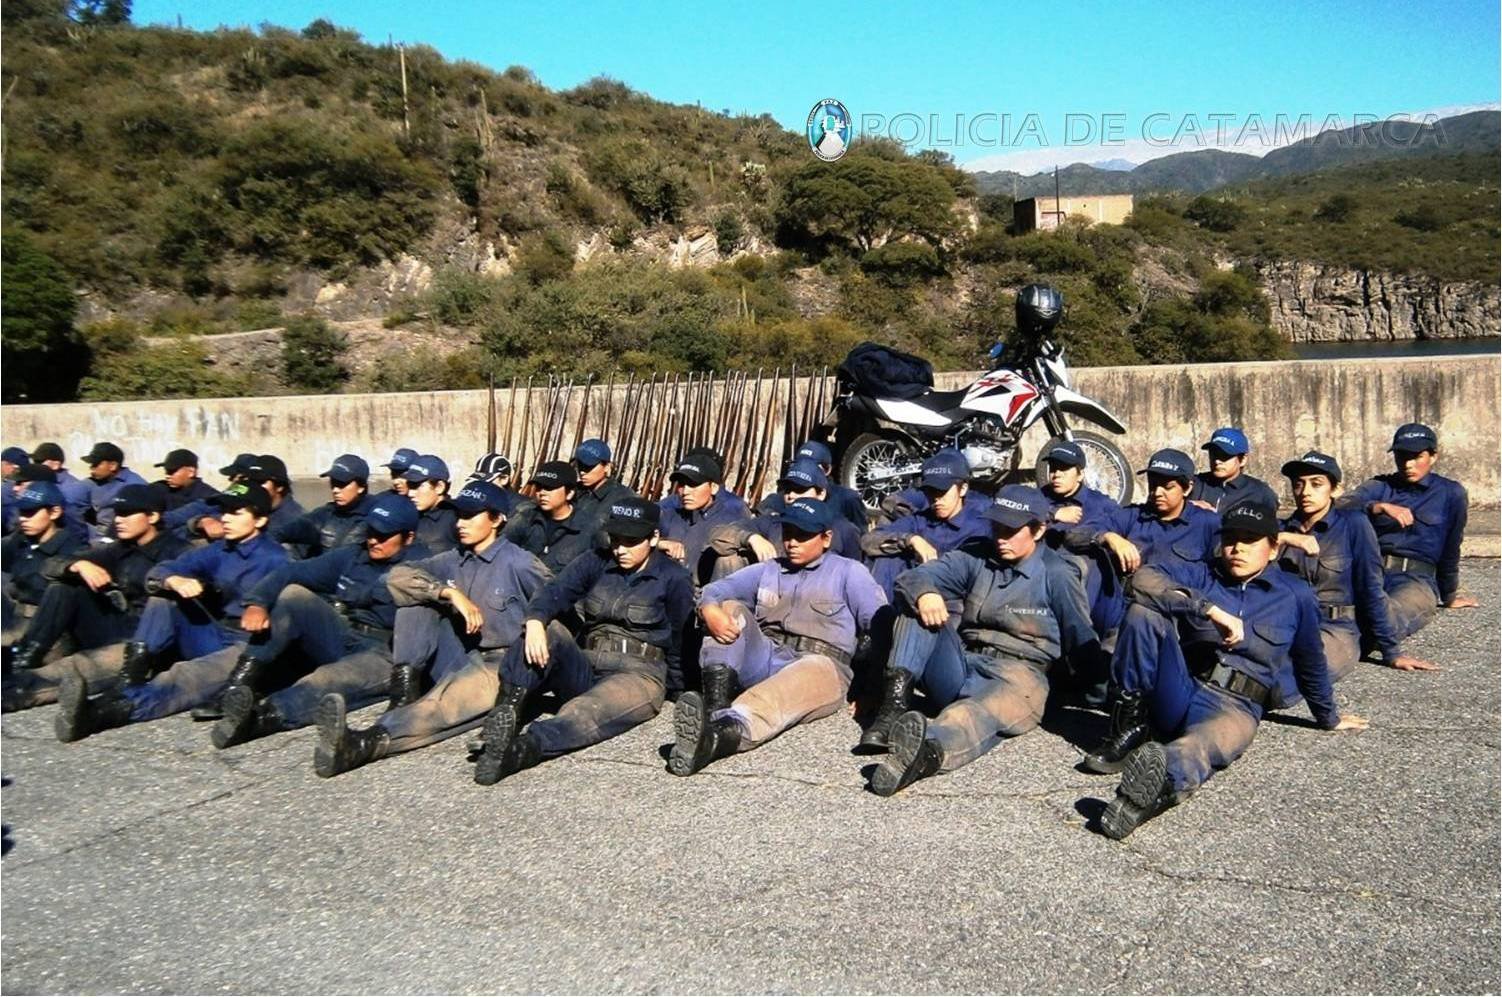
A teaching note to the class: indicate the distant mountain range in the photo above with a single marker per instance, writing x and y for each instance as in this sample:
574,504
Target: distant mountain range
1206,169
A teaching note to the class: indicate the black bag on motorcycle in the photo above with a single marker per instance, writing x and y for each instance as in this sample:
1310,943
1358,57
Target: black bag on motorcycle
880,371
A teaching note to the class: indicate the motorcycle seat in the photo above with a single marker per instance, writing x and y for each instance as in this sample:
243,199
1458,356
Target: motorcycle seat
943,402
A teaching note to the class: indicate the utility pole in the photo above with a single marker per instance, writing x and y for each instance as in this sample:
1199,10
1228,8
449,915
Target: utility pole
406,117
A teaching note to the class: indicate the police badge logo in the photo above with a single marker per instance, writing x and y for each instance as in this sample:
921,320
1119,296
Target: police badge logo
829,129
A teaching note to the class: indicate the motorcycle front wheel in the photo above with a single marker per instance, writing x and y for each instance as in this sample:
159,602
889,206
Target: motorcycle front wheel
876,466
1106,467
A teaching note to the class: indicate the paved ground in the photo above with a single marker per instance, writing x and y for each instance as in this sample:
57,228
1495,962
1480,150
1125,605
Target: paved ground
147,861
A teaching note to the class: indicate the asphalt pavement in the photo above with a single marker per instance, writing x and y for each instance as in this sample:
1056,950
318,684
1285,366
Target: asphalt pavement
147,861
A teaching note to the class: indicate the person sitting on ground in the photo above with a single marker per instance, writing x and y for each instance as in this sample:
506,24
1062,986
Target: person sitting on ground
41,533
397,465
180,483
339,521
554,528
1226,482
633,603
760,539
687,525
946,524
496,469
598,487
846,502
427,478
107,475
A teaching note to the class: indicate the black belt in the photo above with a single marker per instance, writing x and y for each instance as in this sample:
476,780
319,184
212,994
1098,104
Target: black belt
1337,612
813,645
1238,683
1411,565
625,645
371,630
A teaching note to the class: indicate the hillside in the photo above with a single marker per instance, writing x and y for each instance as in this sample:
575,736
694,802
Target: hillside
160,185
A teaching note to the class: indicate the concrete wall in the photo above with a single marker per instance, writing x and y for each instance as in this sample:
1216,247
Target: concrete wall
1347,407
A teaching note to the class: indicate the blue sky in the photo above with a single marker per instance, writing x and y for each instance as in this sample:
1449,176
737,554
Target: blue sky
1018,85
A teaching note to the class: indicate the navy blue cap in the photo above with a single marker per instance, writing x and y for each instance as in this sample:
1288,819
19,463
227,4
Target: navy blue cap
239,466
808,515
138,498
1250,517
1414,437
555,474
39,495
252,497
945,469
1170,464
815,451
346,468
15,455
391,513
400,460
1067,453
426,467
1313,462
1018,505
1228,439
697,469
102,452
479,496
803,474
490,466
632,517
592,453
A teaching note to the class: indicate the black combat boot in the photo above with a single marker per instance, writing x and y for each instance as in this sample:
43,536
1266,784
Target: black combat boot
244,719
341,749
720,686
910,756
79,716
406,686
139,665
24,690
500,729
699,739
896,691
1144,793
26,656
249,671
1129,730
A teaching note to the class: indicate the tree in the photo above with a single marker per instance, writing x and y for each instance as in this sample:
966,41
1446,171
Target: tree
1215,213
312,354
1336,208
864,200
43,354
100,11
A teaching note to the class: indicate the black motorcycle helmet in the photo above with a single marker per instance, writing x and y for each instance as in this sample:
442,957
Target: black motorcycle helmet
1039,308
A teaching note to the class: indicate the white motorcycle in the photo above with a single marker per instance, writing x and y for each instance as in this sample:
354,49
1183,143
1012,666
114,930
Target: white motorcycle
884,440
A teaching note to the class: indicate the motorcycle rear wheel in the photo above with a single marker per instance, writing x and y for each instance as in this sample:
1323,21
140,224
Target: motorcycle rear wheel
871,463
1106,467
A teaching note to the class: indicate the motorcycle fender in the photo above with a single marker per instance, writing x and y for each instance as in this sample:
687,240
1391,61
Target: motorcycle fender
1075,403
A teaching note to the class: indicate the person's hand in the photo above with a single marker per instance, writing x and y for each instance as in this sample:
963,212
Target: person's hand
187,588
1127,556
1404,663
1401,514
932,612
255,619
922,549
474,620
762,548
672,548
1207,506
1462,602
1232,630
92,575
1350,721
536,644
723,627
1301,541
211,528
1070,514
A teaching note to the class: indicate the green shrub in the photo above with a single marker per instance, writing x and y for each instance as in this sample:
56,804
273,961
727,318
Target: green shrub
42,352
312,354
171,370
902,264
543,257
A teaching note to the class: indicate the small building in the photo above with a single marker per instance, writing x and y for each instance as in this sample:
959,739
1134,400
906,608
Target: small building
1034,213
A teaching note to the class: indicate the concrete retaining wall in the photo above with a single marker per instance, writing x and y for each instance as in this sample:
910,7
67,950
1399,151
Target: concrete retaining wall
1347,407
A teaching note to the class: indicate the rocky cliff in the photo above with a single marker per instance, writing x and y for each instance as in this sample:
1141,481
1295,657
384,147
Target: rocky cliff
1312,302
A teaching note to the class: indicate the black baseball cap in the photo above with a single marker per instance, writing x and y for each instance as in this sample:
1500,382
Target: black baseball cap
1414,437
632,517
555,474
1250,518
35,472
479,496
490,466
138,498
267,467
15,455
176,460
697,469
243,497
238,467
47,451
346,468
104,451
1313,462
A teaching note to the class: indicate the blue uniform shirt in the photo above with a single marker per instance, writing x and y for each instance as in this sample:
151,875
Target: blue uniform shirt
501,580
176,498
1346,572
228,570
1032,610
181,519
943,534
846,502
327,526
831,599
1096,506
23,560
1281,649
692,529
1191,536
1439,508
101,493
345,573
1223,494
127,562
651,604
437,528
